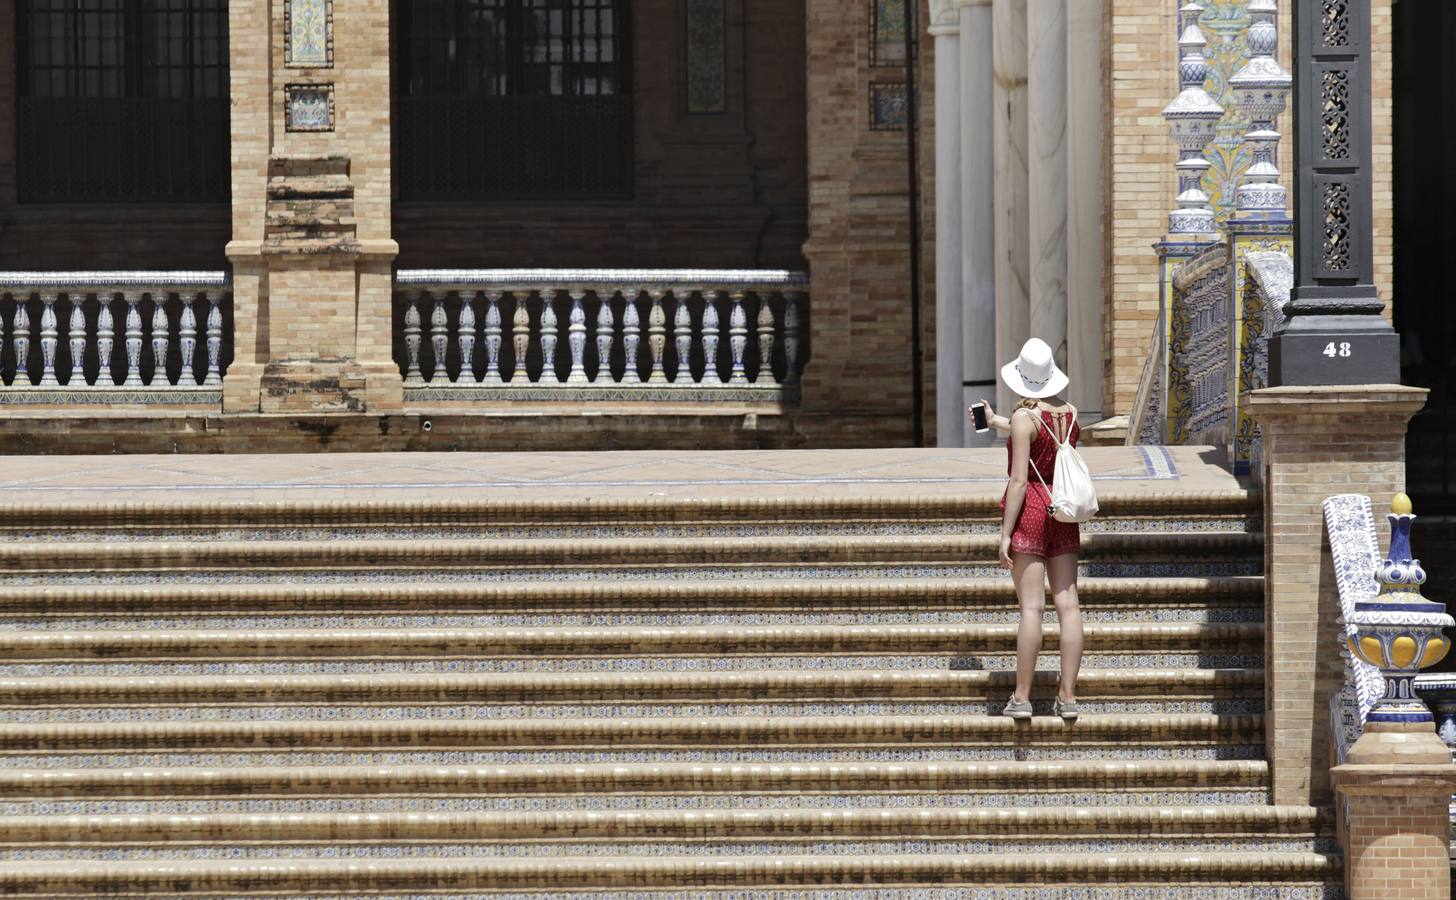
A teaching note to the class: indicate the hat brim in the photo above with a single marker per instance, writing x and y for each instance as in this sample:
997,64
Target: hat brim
1012,379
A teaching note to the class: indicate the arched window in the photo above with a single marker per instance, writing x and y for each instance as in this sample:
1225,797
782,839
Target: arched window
122,101
513,100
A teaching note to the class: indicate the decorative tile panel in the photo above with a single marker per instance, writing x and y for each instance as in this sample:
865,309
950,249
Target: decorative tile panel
887,32
889,106
707,81
309,107
308,33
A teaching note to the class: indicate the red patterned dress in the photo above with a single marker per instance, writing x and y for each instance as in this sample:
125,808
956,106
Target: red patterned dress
1036,531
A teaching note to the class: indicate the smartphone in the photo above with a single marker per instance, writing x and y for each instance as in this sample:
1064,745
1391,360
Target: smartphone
978,415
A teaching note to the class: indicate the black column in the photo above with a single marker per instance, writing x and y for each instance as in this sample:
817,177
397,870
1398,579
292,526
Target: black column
1335,333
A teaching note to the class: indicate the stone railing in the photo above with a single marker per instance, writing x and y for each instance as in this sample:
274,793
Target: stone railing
1268,278
1355,552
1146,424
114,337
1224,305
624,335
1198,350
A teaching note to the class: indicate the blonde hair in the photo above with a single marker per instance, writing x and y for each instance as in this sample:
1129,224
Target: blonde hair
1027,403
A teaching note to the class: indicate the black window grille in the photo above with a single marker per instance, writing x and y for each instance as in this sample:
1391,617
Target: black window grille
513,100
122,101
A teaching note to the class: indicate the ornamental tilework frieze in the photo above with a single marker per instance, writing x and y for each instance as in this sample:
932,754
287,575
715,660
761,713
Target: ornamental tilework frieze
308,33
1225,23
309,107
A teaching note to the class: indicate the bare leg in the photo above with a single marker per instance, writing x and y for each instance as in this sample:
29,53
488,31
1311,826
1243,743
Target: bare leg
1028,573
1062,571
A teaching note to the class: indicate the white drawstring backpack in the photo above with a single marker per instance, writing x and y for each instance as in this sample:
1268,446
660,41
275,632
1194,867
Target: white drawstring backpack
1073,498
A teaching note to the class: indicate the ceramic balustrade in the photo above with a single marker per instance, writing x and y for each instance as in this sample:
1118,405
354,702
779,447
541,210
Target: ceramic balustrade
624,335
114,337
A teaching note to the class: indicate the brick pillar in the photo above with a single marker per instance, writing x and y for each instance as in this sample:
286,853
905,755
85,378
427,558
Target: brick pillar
1396,789
311,248
1318,440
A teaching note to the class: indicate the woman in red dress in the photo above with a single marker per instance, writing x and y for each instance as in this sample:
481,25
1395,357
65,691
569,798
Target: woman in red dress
1034,546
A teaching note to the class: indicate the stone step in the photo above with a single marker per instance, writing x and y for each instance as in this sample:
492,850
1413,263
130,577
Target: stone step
1151,797
84,877
1023,781
346,643
1166,521
1180,660
1113,612
1248,705
663,825
103,596
626,687
786,509
558,554
1182,731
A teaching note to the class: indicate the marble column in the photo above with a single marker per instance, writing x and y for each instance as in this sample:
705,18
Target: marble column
950,418
1085,249
1046,104
978,206
1012,269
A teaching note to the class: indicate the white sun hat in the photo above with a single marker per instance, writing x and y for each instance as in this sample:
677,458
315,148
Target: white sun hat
1034,373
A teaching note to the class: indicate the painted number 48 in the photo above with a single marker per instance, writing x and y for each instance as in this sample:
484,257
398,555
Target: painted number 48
1332,349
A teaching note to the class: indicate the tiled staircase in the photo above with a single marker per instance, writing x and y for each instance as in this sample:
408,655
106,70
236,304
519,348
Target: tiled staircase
603,698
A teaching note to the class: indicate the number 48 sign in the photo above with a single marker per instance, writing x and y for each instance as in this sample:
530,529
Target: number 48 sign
1332,349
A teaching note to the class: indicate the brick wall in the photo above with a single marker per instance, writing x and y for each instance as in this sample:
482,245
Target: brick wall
1140,185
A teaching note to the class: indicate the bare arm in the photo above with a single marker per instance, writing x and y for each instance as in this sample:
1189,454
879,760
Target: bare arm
998,422
1023,431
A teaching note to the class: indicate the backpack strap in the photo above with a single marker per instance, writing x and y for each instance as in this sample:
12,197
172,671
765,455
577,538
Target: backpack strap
1032,462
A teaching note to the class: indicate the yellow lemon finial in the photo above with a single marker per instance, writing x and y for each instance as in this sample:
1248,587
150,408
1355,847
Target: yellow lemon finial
1401,505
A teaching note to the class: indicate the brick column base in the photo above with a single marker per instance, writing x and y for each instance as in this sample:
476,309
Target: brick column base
1318,441
1397,792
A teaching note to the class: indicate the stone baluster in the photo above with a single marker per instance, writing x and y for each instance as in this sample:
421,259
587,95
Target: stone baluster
160,339
710,338
187,341
738,338
631,337
656,336
466,337
78,339
606,334
521,335
49,340
682,338
412,374
1192,116
1261,86
576,338
21,341
214,341
105,339
765,374
791,337
492,337
133,336
439,340
548,338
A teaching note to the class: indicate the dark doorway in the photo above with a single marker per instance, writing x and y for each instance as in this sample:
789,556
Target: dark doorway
1425,191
